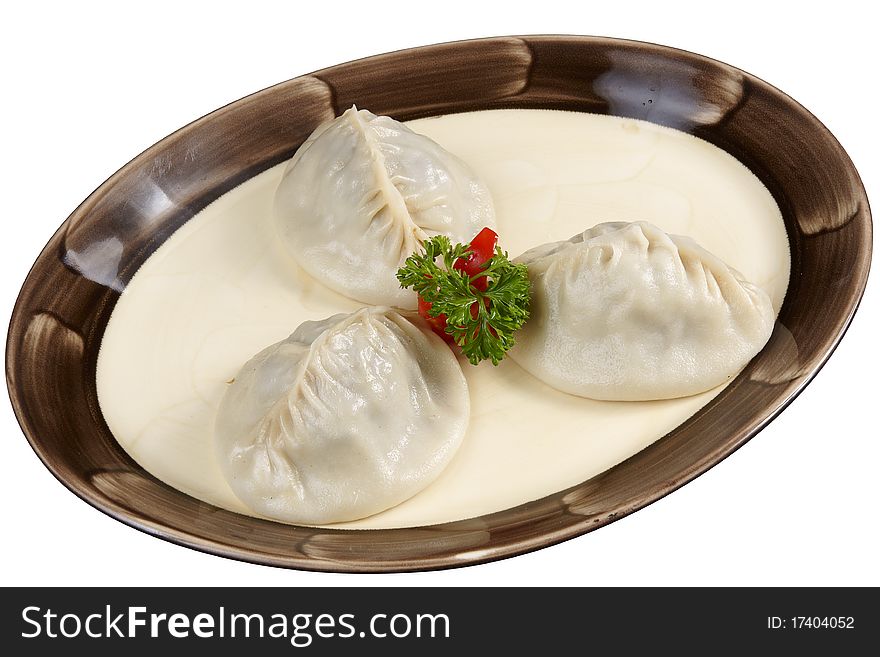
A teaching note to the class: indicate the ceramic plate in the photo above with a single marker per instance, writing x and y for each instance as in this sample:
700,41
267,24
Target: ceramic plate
60,316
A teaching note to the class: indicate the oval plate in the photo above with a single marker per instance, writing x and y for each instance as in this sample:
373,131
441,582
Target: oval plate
60,316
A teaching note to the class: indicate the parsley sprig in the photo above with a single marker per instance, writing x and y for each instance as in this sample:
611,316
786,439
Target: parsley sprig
501,309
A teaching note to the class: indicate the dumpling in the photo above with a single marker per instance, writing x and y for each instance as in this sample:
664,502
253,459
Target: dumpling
363,193
624,311
347,417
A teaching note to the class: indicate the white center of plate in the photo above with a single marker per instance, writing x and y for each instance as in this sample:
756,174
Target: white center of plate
222,288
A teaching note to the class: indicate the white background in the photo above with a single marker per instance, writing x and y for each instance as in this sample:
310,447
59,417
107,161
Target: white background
87,87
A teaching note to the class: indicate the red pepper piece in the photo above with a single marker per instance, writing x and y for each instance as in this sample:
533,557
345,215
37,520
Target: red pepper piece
482,248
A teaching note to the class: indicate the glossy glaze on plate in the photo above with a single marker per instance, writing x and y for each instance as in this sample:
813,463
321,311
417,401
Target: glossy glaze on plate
65,303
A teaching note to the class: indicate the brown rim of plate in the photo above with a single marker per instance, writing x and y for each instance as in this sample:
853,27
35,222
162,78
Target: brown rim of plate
65,302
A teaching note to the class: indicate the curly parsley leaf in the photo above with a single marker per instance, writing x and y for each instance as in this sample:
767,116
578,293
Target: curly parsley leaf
481,322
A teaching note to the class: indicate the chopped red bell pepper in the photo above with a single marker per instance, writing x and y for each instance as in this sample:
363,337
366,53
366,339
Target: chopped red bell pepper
482,248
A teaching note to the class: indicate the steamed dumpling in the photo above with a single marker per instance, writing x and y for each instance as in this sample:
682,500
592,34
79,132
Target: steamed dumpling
363,193
347,417
624,311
